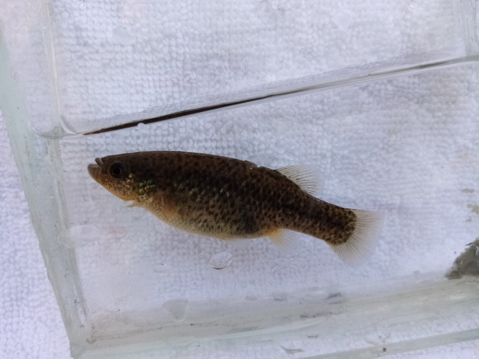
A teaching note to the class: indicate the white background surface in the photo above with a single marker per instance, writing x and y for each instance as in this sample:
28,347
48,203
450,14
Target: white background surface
30,321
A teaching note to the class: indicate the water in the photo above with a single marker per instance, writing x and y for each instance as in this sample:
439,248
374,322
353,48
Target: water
122,36
157,274
291,350
343,20
379,337
378,169
221,260
177,309
283,270
80,234
161,268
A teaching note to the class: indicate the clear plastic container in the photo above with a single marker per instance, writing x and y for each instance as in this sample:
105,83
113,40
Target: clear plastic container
296,83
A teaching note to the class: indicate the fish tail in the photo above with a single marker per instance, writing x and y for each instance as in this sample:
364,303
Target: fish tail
355,245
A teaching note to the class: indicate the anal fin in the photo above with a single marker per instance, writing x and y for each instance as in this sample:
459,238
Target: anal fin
284,239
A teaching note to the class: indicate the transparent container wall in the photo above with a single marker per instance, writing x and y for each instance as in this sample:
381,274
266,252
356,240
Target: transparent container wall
88,65
130,286
393,146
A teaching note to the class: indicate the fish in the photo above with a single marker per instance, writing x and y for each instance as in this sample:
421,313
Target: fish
233,199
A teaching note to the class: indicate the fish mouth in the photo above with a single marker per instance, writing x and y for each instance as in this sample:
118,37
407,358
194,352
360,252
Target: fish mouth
95,170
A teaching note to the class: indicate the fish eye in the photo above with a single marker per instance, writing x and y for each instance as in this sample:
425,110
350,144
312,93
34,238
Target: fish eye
116,170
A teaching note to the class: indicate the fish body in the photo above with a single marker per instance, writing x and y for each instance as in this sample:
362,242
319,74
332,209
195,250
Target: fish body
229,198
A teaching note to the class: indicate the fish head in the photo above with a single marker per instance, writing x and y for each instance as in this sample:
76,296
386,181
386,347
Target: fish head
115,174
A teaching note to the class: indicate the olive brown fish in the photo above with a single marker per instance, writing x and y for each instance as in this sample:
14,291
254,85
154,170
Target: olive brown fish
229,198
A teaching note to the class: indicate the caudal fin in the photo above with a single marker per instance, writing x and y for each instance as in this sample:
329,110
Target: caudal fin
360,245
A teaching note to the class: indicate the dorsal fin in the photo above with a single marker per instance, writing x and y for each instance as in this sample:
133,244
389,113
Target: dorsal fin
304,176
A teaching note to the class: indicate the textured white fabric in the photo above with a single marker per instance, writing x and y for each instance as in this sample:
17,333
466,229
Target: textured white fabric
30,323
403,146
120,57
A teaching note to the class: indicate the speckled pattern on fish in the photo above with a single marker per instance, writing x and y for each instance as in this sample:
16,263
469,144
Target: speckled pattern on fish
228,198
